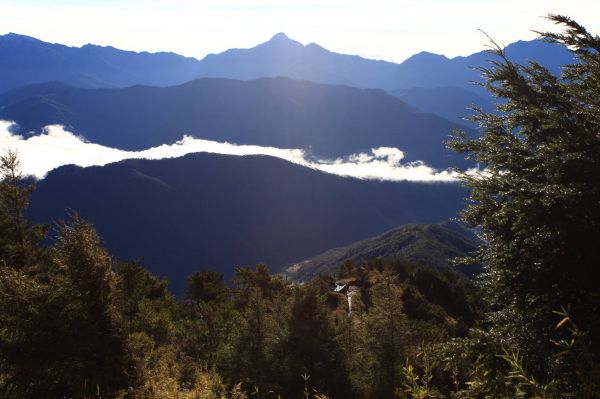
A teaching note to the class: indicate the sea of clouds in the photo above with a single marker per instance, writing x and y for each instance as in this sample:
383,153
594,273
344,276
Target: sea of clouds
56,146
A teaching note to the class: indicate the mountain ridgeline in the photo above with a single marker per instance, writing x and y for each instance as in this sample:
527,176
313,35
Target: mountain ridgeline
452,103
32,61
26,60
433,245
325,120
217,211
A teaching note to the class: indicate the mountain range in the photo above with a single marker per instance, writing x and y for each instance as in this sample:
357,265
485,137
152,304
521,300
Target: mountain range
27,60
35,61
207,210
282,56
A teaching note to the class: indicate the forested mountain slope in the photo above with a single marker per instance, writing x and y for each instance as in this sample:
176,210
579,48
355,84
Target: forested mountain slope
206,210
433,245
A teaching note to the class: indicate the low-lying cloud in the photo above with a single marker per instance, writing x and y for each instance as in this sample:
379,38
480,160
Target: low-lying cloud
56,147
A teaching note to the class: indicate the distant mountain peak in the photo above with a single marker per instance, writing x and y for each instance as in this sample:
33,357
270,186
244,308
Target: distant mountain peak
280,39
11,36
279,36
429,55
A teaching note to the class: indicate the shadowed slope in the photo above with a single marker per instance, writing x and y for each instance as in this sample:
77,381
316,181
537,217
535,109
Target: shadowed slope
328,121
221,211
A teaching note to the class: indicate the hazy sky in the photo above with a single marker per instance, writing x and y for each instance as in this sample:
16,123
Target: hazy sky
390,30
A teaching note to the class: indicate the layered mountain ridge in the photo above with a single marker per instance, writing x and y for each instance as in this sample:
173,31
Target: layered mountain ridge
207,210
218,211
29,61
327,121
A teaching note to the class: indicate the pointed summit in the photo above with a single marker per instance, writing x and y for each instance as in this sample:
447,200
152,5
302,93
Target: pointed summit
279,37
282,40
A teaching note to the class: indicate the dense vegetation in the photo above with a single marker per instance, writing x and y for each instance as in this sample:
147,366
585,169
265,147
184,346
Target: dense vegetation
538,206
76,324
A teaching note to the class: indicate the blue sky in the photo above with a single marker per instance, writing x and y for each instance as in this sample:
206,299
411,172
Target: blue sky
390,30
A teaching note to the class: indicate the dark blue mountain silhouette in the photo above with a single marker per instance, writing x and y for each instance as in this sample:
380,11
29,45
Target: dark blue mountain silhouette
282,56
27,60
207,210
328,121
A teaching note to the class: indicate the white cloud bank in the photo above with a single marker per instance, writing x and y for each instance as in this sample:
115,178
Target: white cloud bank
56,147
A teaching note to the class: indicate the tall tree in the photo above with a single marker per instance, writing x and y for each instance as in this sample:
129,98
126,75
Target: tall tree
312,349
386,325
208,316
61,333
257,297
26,300
19,240
537,200
92,355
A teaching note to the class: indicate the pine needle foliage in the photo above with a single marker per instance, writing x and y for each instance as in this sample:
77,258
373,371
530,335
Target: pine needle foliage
536,198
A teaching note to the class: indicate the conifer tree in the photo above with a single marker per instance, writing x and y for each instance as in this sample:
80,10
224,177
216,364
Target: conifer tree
92,351
386,327
19,240
537,201
312,349
25,296
61,332
207,324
